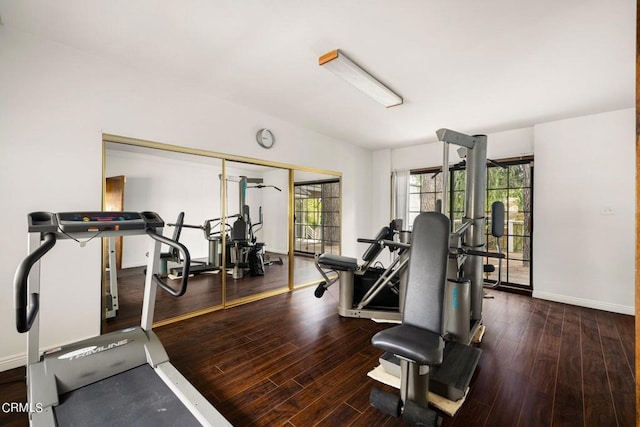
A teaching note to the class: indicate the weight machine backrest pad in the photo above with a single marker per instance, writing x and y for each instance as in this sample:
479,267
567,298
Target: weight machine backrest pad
239,230
176,235
427,272
374,249
178,227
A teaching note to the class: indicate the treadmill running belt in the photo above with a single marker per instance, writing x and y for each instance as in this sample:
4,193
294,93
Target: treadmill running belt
137,397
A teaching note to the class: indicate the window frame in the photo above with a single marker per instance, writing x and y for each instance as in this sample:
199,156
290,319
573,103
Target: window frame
456,212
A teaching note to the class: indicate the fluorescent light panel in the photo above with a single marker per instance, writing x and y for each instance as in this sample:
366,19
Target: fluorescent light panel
345,68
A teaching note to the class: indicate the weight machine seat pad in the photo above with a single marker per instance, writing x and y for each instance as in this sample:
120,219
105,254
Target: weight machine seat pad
337,262
411,342
239,230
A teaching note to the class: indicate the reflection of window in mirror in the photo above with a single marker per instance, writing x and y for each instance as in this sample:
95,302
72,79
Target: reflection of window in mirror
317,222
317,213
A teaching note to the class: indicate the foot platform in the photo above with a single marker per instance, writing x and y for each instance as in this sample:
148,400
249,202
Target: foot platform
320,290
410,412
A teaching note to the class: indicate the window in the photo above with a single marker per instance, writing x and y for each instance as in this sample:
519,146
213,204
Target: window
512,185
424,189
317,217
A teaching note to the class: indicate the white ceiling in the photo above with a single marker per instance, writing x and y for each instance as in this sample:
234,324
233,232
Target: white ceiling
477,66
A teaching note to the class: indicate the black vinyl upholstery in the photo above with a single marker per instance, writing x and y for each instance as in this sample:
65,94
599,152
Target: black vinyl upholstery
177,229
239,231
419,338
410,342
374,249
337,262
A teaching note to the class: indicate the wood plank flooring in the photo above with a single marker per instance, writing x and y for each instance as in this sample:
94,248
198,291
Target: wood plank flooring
290,360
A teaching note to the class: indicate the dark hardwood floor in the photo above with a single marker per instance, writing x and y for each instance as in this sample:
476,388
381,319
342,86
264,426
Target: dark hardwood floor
291,360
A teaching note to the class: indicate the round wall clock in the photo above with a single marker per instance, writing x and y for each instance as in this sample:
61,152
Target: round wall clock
265,138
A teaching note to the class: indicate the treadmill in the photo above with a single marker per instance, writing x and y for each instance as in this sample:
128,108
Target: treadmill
120,378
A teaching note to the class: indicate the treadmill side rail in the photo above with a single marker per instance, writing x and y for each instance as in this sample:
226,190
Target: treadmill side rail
44,418
43,391
204,412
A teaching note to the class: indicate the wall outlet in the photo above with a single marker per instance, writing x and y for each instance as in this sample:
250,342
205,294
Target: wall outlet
606,210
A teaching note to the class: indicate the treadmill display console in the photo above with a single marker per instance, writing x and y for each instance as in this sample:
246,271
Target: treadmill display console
72,222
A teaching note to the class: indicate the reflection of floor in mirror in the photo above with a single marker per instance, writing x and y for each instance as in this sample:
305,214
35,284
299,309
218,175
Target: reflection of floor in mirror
203,290
304,271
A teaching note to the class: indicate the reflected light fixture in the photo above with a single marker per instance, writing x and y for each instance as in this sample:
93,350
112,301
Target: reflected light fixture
341,65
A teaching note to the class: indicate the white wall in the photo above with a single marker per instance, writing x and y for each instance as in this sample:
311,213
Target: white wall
56,102
584,204
275,212
381,180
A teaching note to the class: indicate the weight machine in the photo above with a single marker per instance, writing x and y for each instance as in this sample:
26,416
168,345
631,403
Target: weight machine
245,253
214,239
367,291
432,349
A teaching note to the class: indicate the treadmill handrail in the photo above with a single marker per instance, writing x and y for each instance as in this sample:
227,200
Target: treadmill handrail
24,316
186,260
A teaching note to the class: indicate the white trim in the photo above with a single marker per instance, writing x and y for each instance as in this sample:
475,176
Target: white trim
13,362
277,251
583,302
20,359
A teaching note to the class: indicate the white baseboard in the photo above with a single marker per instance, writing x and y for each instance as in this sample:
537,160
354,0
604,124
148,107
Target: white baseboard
277,251
18,360
12,362
583,302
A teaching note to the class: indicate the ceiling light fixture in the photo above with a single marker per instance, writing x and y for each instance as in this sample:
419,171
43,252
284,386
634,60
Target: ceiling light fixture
341,65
